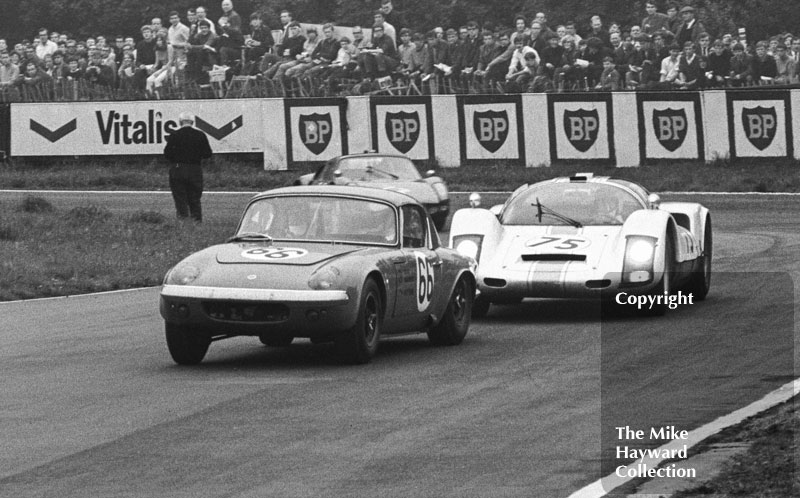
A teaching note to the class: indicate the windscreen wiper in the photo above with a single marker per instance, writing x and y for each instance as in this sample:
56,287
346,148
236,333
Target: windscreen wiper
541,209
371,169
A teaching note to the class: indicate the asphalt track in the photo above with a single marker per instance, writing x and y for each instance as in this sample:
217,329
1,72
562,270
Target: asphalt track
91,404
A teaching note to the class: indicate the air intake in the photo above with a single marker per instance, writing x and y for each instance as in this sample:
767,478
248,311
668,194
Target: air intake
553,257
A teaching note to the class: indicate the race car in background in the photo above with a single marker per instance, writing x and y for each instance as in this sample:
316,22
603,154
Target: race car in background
389,172
585,237
333,264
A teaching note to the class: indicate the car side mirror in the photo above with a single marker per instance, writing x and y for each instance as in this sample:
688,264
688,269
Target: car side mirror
337,173
430,173
654,201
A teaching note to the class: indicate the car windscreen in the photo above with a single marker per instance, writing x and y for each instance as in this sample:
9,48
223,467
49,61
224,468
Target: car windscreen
378,168
562,203
321,218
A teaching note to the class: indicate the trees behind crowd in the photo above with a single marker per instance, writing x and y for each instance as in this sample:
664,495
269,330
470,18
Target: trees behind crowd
81,18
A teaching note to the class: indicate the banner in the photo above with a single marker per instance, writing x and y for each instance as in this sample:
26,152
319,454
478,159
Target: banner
130,128
402,125
759,123
316,129
490,127
670,126
581,127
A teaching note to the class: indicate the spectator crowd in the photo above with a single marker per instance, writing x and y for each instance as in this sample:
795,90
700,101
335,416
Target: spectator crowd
191,55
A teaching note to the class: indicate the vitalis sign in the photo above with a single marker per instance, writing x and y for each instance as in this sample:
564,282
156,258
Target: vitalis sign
126,128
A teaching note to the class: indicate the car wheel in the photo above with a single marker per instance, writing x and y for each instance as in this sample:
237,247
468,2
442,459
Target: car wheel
454,325
276,340
359,344
700,282
665,286
187,347
480,307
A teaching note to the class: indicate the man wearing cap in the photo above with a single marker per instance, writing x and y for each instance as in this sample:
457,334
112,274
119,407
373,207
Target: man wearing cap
186,148
690,29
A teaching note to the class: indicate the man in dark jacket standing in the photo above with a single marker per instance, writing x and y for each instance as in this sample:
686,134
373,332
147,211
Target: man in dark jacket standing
185,148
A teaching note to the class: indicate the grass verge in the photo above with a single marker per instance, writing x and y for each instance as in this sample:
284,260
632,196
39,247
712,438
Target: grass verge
768,468
247,173
49,252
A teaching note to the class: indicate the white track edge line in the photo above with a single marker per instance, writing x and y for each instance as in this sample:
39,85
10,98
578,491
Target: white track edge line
76,296
613,481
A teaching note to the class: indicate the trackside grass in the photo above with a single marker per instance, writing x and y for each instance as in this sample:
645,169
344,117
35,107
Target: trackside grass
768,468
49,252
247,174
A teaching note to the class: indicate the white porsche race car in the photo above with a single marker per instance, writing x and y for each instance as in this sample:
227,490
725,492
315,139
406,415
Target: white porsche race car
586,237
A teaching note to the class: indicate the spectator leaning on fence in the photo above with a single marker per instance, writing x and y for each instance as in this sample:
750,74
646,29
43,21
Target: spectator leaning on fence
763,68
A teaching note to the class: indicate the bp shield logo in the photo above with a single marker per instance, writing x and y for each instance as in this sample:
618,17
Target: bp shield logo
491,129
670,126
402,130
315,131
760,125
581,127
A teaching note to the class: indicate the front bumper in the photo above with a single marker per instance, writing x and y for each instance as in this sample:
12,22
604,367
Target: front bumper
546,280
239,311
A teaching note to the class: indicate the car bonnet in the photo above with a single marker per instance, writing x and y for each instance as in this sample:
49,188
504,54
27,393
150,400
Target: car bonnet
281,252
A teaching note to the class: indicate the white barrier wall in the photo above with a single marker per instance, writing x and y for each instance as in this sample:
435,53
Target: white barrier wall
623,129
122,128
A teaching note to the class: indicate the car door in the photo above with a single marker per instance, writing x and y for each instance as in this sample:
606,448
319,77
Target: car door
419,269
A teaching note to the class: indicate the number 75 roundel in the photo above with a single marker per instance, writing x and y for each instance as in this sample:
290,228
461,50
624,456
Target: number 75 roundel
560,243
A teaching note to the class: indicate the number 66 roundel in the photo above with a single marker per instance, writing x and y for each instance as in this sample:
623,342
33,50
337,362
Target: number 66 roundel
425,281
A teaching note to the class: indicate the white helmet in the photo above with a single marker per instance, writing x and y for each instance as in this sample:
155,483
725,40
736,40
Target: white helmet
186,117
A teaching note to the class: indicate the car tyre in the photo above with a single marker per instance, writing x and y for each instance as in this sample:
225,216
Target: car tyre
665,286
480,307
359,344
187,347
700,282
276,340
453,327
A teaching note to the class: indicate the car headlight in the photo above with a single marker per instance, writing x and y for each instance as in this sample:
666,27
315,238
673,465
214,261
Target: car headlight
184,274
637,267
440,189
325,278
468,245
640,251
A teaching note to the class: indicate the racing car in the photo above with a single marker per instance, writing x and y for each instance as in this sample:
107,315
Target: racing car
386,171
585,236
334,264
